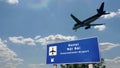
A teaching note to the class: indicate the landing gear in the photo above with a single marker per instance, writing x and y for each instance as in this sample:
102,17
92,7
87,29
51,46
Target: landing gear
88,27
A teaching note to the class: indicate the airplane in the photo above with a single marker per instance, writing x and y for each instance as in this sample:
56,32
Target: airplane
53,51
87,23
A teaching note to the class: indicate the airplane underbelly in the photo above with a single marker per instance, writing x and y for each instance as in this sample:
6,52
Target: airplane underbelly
91,20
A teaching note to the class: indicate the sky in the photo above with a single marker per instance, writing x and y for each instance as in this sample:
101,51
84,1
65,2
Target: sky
27,26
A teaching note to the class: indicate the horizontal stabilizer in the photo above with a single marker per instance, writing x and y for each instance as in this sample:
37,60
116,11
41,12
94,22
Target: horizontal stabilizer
106,13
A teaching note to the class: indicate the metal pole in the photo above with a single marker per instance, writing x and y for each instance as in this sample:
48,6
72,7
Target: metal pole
54,65
90,65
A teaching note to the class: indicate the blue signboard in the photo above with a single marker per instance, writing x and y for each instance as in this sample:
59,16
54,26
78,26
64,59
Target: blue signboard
78,51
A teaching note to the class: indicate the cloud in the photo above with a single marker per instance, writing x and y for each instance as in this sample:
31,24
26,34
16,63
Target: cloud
8,58
38,37
43,41
100,27
22,40
112,14
12,1
113,63
107,46
115,60
54,39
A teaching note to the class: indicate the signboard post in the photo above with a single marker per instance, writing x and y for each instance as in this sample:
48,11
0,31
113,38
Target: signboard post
78,51
54,65
90,65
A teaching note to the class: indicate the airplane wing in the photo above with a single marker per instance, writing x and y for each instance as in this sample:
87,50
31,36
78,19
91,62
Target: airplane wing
96,24
76,19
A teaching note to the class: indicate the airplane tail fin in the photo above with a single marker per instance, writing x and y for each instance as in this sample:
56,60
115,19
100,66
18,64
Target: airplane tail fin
101,10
